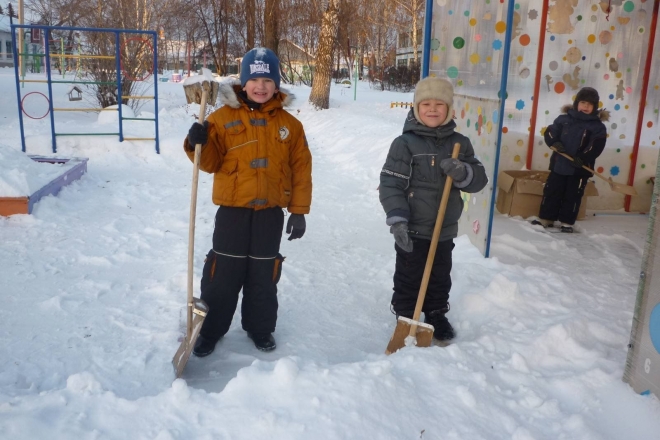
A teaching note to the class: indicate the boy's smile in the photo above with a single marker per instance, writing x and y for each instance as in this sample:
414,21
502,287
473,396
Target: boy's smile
259,89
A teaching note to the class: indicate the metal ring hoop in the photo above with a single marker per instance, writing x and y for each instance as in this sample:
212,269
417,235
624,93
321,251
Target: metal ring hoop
23,106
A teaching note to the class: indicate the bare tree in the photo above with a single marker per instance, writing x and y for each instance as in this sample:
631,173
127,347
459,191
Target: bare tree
271,19
249,22
299,27
320,94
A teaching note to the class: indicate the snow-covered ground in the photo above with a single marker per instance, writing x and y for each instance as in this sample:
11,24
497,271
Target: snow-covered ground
93,288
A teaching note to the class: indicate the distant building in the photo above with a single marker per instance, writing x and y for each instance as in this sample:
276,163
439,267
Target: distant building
33,45
6,54
405,53
297,62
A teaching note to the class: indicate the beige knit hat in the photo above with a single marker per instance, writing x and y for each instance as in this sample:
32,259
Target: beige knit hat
434,88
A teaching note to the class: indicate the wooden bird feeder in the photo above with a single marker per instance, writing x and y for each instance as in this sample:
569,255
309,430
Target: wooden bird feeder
75,94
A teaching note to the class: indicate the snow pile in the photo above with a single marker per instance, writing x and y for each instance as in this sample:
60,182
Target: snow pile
93,290
112,117
21,176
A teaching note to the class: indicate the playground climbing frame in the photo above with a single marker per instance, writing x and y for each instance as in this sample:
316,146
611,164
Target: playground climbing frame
149,38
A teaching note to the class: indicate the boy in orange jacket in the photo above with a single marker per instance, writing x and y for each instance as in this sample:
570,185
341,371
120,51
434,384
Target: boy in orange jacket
261,163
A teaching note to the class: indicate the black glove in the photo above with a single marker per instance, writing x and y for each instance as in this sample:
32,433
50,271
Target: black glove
401,237
577,162
296,226
559,147
454,168
198,134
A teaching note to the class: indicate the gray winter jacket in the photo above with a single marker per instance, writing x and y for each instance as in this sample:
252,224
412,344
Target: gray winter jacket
411,181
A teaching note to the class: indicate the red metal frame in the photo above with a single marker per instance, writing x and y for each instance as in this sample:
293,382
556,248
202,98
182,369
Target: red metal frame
642,102
537,85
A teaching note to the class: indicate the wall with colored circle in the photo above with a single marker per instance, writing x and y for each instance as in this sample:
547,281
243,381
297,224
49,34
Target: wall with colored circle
597,44
643,363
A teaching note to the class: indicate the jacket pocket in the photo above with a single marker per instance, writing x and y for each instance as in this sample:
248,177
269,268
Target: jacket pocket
285,185
277,268
235,127
425,168
208,272
227,177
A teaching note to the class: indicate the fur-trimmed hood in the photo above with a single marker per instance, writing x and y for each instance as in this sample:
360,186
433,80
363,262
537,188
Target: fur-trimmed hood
229,89
603,114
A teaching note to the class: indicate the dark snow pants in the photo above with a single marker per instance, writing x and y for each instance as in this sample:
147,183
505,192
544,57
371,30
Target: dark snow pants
245,255
562,196
410,270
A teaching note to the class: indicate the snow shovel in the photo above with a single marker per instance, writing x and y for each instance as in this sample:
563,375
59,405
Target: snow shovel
412,331
616,187
196,308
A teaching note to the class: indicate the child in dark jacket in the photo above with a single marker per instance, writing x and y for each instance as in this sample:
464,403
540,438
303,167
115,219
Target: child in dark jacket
411,184
580,133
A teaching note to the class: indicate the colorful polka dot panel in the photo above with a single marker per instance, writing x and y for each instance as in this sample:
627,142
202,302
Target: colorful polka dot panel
601,45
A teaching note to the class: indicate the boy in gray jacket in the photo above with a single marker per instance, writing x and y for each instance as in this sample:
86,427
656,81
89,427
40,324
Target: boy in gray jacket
411,185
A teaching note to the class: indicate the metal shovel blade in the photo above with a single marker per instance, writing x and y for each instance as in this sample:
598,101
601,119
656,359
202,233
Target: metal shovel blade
423,335
200,309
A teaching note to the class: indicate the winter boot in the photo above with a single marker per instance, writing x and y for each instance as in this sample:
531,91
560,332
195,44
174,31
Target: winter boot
442,329
544,223
263,341
203,346
566,228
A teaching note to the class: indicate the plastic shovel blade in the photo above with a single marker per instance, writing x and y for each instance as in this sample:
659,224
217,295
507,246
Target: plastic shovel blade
621,188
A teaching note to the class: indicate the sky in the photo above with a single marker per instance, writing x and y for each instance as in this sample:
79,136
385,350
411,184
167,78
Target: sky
93,291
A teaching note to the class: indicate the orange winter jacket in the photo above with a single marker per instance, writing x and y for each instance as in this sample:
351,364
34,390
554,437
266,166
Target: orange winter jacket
260,158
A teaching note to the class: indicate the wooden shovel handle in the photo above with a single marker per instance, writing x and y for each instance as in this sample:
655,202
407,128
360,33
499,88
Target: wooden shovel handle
617,187
573,160
434,246
193,211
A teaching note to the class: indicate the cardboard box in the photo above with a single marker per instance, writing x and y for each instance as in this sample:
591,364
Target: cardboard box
520,193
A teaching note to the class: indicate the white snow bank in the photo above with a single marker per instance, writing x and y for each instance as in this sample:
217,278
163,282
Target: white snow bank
112,117
21,176
206,75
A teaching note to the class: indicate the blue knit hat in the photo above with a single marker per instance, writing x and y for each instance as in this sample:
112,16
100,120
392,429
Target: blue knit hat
260,62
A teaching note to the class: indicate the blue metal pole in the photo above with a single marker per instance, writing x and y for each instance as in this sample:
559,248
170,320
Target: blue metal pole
18,86
155,37
503,96
50,89
426,52
119,93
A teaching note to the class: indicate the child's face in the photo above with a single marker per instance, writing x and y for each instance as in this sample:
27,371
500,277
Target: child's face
585,107
260,90
432,112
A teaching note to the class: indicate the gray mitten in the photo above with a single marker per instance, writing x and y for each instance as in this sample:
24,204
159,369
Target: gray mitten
454,168
401,237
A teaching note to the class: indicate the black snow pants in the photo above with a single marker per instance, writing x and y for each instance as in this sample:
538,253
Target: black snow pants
245,255
562,196
410,270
